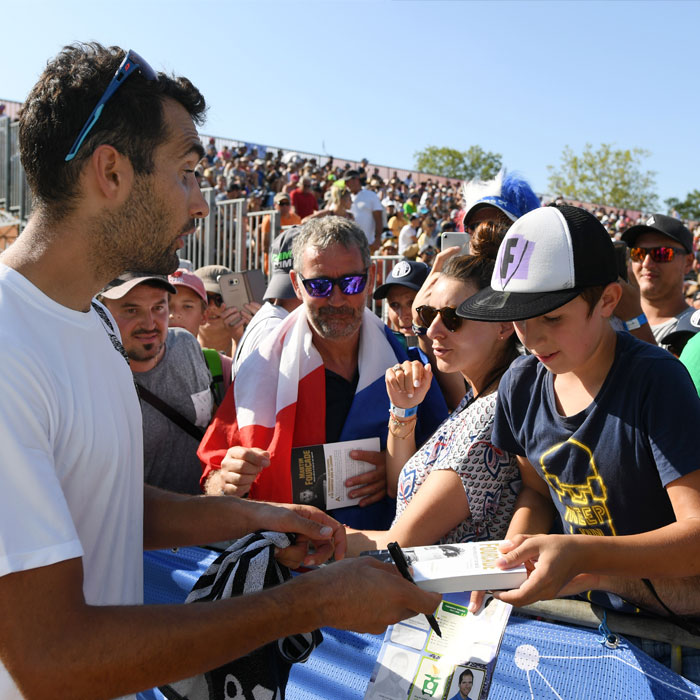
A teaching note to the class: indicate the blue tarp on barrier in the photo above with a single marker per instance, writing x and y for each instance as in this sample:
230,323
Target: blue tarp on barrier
538,660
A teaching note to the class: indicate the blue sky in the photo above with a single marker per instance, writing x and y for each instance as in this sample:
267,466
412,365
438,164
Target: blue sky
383,79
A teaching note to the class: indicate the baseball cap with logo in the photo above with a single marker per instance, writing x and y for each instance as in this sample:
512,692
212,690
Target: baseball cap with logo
666,225
547,258
280,284
407,273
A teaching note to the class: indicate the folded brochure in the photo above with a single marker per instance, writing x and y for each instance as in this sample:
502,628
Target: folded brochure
415,664
319,472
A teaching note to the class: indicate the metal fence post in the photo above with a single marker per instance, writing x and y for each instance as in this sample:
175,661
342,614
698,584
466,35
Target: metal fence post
240,249
209,228
5,155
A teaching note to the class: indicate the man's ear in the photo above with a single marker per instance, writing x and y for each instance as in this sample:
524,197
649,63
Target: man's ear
112,173
296,283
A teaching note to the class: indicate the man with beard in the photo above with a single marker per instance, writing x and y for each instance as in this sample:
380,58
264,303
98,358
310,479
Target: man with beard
171,375
109,148
319,378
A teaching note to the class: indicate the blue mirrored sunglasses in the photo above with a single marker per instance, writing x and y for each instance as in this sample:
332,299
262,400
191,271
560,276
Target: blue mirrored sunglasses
323,286
132,63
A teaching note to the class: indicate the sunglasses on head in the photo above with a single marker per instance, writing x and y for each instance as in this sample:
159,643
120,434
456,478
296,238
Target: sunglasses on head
448,315
659,254
323,286
216,298
132,63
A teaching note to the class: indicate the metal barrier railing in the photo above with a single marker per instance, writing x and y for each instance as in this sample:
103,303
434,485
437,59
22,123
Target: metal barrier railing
230,235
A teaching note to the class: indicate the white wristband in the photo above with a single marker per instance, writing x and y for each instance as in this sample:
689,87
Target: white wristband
403,412
635,323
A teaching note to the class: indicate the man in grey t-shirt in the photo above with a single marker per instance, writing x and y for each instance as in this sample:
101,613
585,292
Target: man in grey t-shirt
169,364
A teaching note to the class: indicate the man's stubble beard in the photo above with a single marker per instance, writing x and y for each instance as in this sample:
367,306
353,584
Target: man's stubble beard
135,236
321,319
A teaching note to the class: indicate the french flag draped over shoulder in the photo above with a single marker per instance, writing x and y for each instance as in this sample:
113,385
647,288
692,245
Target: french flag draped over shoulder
278,401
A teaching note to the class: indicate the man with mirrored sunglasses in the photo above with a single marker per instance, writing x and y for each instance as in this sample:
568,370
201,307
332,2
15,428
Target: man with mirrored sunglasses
319,378
110,149
661,254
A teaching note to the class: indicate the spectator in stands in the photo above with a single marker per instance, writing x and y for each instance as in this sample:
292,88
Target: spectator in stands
189,309
408,238
172,377
458,487
303,199
280,298
283,204
661,251
366,208
427,253
397,222
319,378
339,204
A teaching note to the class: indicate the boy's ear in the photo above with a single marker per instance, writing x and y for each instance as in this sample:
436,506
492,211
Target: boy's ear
609,299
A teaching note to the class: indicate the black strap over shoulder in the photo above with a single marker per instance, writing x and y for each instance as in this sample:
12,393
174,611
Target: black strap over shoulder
169,412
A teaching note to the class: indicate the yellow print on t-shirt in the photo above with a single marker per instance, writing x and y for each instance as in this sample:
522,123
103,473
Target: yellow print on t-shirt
584,500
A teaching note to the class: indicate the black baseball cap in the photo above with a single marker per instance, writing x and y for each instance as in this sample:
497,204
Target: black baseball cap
547,258
407,273
280,285
660,223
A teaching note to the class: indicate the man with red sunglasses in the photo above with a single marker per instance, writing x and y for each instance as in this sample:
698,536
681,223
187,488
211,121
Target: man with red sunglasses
661,251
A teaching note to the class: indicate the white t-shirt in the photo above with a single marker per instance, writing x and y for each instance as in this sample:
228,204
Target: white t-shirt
407,237
364,203
71,453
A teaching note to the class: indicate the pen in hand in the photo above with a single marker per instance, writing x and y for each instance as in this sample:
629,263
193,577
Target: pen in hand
402,565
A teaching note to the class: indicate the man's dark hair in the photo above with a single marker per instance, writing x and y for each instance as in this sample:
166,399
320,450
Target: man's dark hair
61,101
466,672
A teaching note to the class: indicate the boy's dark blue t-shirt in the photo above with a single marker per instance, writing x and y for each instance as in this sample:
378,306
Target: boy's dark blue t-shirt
606,466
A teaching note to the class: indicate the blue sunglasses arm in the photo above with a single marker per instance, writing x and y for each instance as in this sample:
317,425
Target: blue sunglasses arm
113,86
86,130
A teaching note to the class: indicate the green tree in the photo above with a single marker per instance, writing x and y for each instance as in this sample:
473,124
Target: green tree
475,162
607,175
689,208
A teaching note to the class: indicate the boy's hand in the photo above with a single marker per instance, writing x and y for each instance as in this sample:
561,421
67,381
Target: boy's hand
552,563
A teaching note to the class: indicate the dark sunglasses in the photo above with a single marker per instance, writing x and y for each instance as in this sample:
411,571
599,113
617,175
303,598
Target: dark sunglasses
660,254
284,204
216,298
132,63
323,286
449,317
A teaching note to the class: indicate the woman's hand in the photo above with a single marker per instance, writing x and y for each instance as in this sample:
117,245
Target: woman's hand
408,383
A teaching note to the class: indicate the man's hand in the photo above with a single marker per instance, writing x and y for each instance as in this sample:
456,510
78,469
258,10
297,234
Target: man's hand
311,526
372,484
363,595
408,383
239,469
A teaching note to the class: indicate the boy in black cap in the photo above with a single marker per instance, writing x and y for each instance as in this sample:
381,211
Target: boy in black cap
594,417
